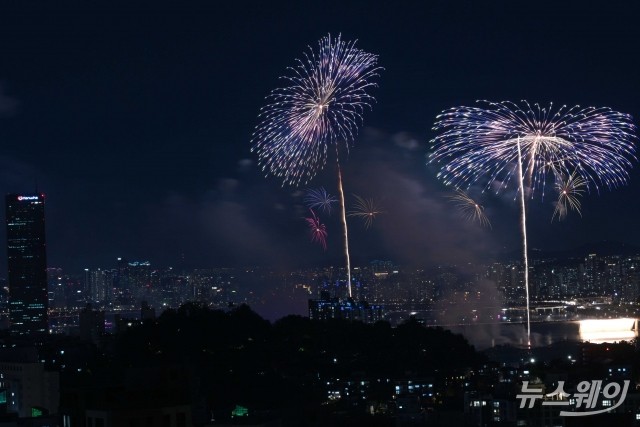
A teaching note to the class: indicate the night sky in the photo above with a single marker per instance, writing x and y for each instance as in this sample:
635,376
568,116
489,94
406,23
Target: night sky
136,122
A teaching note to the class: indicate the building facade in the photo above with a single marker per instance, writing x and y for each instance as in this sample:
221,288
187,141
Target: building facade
27,262
327,308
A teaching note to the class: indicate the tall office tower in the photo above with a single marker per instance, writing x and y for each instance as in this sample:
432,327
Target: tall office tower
28,298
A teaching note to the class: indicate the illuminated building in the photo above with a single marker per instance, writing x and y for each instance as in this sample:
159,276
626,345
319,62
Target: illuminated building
99,285
139,274
132,281
327,308
27,262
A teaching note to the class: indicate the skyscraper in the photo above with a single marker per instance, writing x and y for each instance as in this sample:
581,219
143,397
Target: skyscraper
28,298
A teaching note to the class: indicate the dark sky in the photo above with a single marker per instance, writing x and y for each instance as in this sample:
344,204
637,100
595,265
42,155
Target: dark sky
136,122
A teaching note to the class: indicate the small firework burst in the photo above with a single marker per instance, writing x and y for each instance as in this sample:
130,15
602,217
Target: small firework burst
317,230
569,189
319,199
366,209
469,208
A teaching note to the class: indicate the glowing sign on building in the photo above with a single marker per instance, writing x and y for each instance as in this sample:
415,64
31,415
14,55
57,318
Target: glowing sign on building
239,411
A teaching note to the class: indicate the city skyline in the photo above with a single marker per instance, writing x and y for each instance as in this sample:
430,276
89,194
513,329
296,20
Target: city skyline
486,288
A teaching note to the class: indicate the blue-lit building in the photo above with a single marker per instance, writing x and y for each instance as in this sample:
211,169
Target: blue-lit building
27,262
335,308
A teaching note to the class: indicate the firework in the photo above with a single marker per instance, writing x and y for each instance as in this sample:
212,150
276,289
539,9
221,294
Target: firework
317,230
595,143
321,105
506,141
469,208
366,209
319,199
569,189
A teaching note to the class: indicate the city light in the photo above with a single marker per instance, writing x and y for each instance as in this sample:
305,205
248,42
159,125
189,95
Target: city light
608,330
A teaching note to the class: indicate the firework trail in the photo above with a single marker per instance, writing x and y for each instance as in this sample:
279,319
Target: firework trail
366,209
525,246
321,105
504,141
469,208
319,199
569,189
343,217
317,230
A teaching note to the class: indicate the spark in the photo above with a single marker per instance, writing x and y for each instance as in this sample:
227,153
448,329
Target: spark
469,208
319,199
317,230
366,209
569,188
